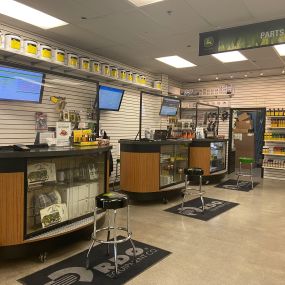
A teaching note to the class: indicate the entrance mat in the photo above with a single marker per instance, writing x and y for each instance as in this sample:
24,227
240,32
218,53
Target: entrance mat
193,208
72,270
231,184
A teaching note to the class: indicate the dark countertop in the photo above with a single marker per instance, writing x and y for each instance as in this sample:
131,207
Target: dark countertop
170,141
54,152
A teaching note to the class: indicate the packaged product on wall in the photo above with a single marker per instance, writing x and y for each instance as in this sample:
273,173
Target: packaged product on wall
122,74
95,66
157,84
106,69
136,78
72,60
45,52
59,56
13,43
129,76
142,79
85,63
114,72
1,40
30,48
41,121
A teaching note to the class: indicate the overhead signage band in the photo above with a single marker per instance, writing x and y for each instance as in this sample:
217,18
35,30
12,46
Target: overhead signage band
243,37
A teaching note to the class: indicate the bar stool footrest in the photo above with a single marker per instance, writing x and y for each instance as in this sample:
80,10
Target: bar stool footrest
121,240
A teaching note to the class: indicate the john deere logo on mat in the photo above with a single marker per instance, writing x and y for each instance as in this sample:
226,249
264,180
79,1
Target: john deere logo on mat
125,261
193,211
209,42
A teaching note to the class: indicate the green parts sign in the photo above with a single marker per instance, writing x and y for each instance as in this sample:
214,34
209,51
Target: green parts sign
243,37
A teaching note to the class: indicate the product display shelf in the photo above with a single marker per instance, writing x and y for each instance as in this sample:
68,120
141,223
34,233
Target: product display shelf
273,154
272,157
16,57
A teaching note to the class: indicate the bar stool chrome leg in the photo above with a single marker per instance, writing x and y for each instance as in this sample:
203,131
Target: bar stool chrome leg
184,193
87,265
128,230
109,231
201,193
115,243
251,176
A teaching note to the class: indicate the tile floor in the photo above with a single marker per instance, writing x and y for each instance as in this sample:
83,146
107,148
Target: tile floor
245,245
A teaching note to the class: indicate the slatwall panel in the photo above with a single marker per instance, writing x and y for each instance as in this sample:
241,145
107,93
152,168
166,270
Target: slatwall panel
266,92
150,114
17,119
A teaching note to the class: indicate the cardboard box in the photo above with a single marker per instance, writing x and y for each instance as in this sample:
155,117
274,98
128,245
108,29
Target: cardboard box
240,131
243,117
244,124
245,147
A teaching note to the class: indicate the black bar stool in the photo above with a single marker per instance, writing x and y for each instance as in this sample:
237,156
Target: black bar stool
117,175
191,173
111,202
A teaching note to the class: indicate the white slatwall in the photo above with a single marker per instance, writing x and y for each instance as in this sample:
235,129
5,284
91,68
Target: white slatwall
17,119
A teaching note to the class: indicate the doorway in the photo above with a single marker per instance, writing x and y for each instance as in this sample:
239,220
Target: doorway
246,136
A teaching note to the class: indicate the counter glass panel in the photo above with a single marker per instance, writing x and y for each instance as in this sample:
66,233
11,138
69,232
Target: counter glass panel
218,156
61,190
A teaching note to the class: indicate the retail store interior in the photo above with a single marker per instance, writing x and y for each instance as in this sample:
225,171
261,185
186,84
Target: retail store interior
142,142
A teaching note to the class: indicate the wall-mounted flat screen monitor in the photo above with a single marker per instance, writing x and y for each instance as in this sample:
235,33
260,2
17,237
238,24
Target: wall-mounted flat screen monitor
169,107
110,98
21,85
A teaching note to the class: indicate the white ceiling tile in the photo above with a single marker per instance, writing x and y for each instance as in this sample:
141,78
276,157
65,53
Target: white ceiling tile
222,13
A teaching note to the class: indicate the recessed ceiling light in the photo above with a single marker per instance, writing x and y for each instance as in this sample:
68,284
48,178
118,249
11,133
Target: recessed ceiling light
217,78
245,75
29,15
261,74
231,76
176,61
140,3
230,56
199,79
280,49
283,71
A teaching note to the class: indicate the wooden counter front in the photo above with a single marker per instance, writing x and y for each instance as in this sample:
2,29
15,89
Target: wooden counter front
11,208
140,172
200,157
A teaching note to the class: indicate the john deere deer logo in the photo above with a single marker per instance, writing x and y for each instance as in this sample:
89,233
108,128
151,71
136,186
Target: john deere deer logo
209,42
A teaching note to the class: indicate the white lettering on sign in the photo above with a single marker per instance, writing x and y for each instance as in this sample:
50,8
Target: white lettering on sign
272,34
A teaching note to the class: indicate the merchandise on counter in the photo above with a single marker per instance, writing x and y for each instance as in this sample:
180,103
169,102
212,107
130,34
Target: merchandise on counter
95,66
13,43
31,48
59,56
72,60
41,172
85,63
45,52
63,133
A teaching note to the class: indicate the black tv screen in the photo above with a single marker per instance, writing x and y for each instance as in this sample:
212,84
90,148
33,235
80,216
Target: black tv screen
169,107
21,85
110,98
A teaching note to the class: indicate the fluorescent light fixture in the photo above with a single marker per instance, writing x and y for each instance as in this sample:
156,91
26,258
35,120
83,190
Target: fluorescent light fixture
229,56
29,15
280,49
140,3
176,61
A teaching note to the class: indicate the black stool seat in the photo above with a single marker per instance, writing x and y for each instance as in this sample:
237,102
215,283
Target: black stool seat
194,171
111,200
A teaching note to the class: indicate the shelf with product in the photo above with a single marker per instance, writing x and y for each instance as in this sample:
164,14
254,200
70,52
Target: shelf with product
76,65
274,138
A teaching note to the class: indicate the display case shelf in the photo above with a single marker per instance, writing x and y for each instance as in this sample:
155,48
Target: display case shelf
274,141
11,56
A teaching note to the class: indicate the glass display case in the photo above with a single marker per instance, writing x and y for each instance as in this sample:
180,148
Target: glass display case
218,156
61,190
173,160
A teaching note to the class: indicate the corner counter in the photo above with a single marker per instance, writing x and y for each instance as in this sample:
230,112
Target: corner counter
158,166
50,192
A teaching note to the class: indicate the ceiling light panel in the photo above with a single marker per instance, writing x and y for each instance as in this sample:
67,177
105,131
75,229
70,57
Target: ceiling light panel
280,49
176,61
230,56
29,15
140,3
